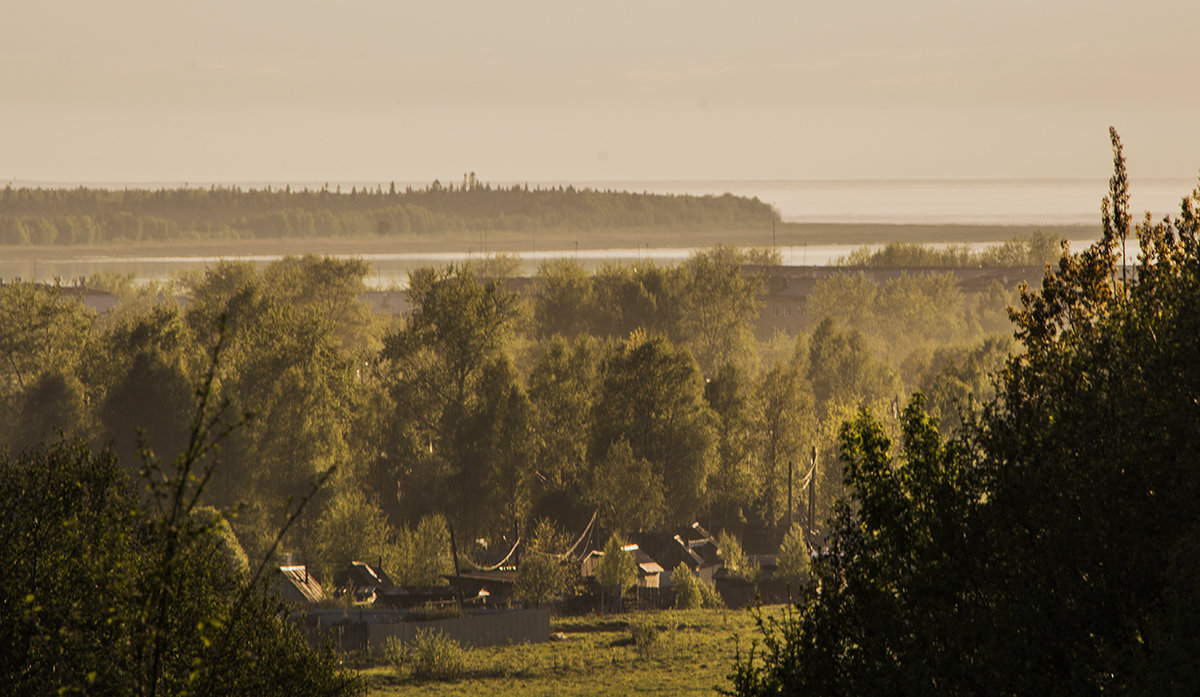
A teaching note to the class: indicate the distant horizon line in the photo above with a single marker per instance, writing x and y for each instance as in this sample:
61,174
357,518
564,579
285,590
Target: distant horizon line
590,183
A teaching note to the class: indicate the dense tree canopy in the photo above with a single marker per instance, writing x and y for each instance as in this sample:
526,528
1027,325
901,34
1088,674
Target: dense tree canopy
639,394
105,596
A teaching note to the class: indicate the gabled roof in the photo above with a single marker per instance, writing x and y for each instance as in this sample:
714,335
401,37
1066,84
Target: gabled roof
361,576
298,585
646,565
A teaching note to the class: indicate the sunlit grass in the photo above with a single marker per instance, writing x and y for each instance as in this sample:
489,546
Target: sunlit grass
692,653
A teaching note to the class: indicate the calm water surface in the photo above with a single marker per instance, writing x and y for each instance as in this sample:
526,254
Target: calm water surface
915,202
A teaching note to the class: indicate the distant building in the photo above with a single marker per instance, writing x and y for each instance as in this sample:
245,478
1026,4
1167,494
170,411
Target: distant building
649,571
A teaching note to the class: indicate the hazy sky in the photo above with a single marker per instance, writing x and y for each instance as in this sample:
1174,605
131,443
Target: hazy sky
381,90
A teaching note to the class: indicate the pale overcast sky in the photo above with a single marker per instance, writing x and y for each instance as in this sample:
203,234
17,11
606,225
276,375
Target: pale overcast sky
531,90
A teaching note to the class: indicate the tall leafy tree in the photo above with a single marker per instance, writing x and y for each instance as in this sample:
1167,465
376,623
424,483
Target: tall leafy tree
788,432
719,306
563,387
652,397
736,476
40,329
564,299
437,365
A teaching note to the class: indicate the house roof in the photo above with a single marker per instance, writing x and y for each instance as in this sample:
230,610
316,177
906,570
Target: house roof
361,576
297,580
645,563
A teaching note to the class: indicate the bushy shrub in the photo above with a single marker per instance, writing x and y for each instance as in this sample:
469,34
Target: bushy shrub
794,561
691,592
737,563
431,655
647,638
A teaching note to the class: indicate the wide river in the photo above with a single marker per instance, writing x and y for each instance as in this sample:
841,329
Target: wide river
972,202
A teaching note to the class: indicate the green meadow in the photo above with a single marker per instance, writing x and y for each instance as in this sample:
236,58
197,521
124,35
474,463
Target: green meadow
670,652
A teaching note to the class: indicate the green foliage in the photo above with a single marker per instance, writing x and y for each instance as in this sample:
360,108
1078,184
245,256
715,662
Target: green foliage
734,559
431,655
843,370
955,378
1037,551
564,299
423,553
104,596
734,481
148,405
495,448
718,307
454,390
541,579
652,398
707,305
545,572
787,433
563,387
1036,249
284,362
616,571
50,406
898,314
112,282
42,328
794,559
351,528
499,265
627,490
647,638
212,520
690,592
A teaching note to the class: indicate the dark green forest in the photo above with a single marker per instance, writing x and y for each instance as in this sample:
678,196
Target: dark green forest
95,216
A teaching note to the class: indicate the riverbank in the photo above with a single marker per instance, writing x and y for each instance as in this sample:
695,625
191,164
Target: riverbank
541,242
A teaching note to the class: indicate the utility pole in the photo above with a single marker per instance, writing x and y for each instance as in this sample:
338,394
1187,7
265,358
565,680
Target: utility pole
457,580
789,515
812,486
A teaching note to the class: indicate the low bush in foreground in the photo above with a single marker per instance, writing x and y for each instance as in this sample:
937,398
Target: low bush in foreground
431,655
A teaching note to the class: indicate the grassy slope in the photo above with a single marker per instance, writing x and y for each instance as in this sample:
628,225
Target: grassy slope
692,656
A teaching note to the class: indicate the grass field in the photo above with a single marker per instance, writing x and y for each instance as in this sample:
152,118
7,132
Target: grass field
691,654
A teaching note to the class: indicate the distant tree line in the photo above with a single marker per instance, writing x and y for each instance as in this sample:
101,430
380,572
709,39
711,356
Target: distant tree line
90,216
1037,249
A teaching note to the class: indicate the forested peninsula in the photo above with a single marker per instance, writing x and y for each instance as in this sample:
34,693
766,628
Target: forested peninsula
79,216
